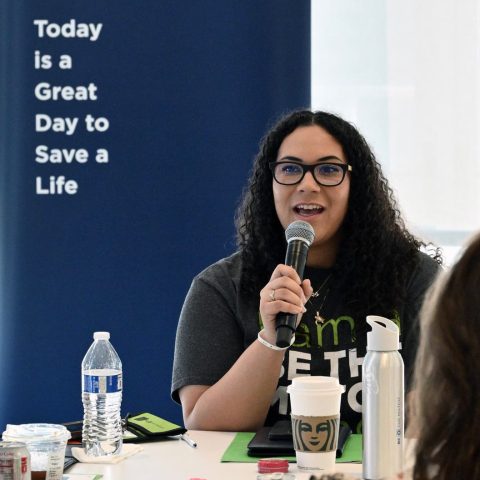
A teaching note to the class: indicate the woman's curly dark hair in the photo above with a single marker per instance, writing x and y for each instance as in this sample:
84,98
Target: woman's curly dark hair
377,252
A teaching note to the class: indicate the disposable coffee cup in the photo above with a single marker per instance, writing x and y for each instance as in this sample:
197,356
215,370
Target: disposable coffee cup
46,443
315,413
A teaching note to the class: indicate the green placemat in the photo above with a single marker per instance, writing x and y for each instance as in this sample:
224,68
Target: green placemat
237,450
352,452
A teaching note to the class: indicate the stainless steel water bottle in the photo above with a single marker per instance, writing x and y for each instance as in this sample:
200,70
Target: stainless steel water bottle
383,401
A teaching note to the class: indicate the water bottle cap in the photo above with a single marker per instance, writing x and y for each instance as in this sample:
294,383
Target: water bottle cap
101,336
384,336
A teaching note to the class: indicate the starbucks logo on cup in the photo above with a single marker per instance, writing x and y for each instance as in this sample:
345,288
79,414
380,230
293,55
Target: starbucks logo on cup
315,434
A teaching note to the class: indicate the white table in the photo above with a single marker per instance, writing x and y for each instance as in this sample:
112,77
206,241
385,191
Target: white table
175,460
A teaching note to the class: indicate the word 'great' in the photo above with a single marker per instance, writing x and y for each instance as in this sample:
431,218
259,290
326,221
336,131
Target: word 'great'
71,29
44,91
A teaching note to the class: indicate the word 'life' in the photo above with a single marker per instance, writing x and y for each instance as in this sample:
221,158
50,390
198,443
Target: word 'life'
57,185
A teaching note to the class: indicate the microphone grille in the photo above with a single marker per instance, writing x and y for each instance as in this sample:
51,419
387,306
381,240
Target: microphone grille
301,230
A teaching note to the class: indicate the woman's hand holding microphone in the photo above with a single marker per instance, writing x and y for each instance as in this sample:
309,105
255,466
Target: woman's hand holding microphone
285,293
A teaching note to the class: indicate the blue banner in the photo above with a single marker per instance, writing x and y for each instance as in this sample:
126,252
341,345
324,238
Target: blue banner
127,132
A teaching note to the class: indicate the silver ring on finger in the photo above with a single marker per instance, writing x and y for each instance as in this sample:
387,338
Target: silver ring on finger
272,295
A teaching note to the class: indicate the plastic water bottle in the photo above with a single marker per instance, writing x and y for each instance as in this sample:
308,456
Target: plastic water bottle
383,403
102,398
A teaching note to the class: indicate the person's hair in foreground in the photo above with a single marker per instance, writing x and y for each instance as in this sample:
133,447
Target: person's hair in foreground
377,253
447,376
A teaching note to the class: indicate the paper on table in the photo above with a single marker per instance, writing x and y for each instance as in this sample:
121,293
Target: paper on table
127,451
237,450
81,476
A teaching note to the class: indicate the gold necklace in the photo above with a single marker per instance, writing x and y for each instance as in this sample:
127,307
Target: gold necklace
318,318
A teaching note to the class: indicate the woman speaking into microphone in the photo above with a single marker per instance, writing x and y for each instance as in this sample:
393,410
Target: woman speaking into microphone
314,167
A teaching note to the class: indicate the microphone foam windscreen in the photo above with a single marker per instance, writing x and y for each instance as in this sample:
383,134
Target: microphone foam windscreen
301,230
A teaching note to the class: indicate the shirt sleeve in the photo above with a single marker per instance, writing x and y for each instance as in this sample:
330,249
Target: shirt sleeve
421,280
209,339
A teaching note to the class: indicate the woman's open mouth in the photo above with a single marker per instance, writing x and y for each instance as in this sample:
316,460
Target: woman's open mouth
308,209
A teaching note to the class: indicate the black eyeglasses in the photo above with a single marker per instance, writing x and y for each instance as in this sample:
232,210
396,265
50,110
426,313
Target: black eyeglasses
325,174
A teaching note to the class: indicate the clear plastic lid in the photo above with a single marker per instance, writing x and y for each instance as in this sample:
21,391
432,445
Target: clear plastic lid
9,445
36,432
101,336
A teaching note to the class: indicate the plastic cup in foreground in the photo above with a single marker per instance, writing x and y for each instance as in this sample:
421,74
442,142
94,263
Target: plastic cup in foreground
315,416
46,443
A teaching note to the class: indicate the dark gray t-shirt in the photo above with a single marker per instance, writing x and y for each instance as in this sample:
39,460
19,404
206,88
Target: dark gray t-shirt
218,323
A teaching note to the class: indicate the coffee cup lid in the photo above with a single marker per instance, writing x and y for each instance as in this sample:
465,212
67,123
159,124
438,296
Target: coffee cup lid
316,383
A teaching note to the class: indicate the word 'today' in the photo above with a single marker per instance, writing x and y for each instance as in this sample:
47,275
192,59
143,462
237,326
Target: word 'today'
70,29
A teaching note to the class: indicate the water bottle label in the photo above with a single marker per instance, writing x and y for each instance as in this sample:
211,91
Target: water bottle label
102,384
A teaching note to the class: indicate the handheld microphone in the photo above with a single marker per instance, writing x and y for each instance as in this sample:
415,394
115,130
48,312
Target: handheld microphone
299,237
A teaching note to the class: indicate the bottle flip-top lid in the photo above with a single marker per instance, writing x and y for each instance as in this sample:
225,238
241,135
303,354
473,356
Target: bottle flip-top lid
384,336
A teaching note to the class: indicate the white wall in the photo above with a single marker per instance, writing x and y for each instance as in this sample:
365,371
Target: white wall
407,73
